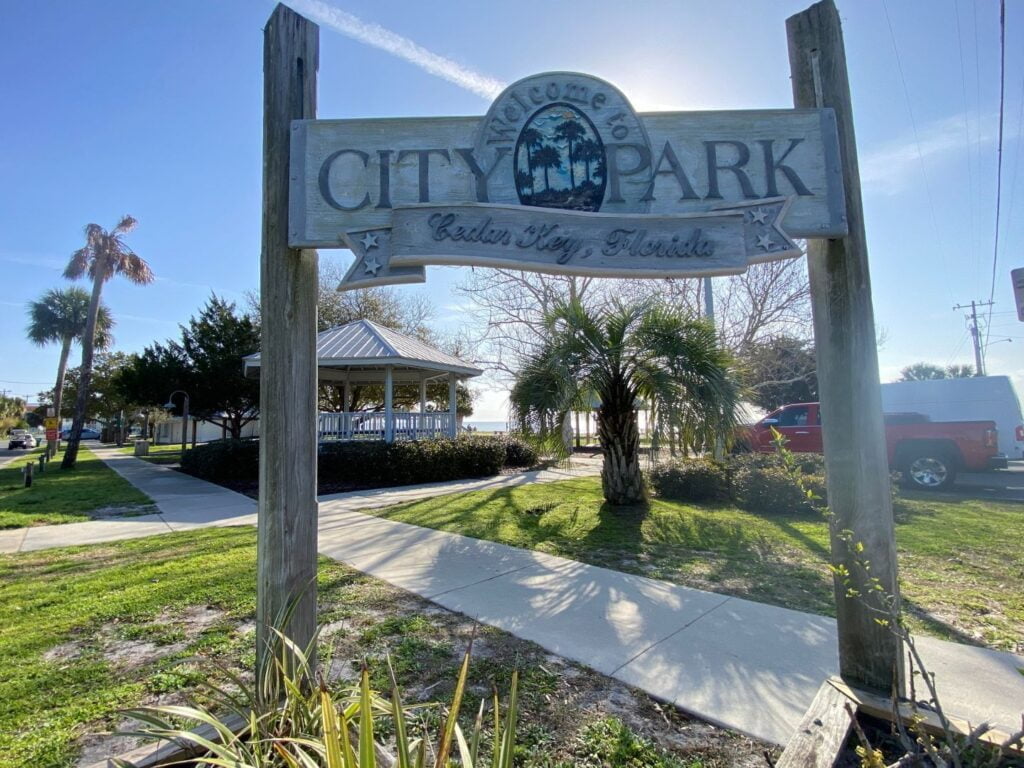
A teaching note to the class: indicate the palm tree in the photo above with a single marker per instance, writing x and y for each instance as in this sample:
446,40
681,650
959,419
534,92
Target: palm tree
60,316
623,354
547,157
587,151
532,139
569,131
104,255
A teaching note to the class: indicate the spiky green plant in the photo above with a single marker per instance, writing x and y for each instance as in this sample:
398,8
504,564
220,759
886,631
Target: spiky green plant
314,725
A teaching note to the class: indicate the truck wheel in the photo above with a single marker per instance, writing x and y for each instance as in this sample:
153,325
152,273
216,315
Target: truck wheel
930,471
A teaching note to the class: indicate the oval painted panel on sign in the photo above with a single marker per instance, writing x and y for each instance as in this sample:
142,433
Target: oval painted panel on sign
560,160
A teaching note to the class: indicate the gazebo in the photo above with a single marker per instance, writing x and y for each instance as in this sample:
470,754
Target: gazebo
363,353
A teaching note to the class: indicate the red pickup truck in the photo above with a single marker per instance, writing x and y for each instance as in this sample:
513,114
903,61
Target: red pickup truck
928,453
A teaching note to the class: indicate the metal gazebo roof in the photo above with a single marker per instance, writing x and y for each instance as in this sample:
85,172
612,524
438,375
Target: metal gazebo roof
360,351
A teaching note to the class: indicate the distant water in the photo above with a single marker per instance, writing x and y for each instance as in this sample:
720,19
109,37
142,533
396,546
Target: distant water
487,426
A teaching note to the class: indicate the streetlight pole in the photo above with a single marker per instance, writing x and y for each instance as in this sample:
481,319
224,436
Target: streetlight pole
169,405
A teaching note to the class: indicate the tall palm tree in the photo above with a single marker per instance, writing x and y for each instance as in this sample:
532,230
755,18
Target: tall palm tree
570,131
532,140
60,316
104,255
547,157
624,354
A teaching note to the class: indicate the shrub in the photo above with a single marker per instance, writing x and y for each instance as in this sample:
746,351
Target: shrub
223,460
519,453
761,483
691,480
413,461
364,463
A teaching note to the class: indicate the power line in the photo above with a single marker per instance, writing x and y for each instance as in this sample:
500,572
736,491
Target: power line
971,198
917,141
999,156
975,330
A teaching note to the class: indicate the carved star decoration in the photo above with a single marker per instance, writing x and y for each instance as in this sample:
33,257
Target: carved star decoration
758,216
372,265
764,241
369,241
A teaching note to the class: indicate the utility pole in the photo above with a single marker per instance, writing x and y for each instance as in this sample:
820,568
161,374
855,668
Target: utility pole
709,301
979,356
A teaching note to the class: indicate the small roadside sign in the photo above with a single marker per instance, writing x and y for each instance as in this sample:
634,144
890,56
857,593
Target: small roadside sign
1017,276
51,423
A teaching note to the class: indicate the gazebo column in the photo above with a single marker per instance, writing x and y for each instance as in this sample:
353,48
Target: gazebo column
389,410
423,409
453,428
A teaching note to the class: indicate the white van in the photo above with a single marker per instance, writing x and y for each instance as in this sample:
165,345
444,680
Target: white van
970,399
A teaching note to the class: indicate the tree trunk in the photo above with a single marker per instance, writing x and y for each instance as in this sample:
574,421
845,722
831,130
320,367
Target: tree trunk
62,368
621,480
85,377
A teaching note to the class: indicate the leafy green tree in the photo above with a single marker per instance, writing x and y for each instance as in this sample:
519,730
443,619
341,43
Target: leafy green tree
624,354
61,316
779,370
104,255
928,371
205,362
12,413
106,403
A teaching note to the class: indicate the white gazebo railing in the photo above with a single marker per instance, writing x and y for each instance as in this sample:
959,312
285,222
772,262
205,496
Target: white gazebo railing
373,425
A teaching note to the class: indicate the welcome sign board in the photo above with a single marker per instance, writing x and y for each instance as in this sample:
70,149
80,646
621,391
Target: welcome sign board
563,176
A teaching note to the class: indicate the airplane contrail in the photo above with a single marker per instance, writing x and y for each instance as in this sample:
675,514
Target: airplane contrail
402,47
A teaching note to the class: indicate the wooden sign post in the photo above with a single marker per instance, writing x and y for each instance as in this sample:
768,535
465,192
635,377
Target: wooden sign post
562,176
287,513
848,383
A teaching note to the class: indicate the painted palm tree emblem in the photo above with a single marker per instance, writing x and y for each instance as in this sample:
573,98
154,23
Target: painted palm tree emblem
560,160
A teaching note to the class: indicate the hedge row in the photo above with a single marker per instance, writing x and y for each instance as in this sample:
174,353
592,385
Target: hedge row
371,463
757,482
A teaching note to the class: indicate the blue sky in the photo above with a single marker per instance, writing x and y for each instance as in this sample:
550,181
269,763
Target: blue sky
154,109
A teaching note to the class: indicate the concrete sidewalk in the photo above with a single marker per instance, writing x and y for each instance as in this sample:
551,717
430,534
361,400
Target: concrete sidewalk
740,664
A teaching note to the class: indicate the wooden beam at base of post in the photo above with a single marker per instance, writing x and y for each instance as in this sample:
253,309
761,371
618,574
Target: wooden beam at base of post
287,517
848,383
822,733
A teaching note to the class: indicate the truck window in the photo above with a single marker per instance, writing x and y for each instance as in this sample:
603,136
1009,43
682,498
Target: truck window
794,417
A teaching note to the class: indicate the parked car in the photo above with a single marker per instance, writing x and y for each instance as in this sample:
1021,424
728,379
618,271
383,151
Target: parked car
20,439
975,397
928,453
87,434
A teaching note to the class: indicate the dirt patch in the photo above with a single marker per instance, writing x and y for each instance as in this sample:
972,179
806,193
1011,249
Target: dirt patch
127,510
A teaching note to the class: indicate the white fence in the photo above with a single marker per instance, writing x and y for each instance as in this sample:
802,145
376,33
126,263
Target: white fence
372,426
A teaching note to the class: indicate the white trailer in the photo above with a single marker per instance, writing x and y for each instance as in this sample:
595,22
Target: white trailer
970,399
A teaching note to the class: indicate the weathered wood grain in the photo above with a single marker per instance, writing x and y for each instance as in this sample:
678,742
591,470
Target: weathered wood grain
879,706
353,178
821,734
851,403
287,512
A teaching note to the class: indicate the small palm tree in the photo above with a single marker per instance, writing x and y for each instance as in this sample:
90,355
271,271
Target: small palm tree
547,157
621,355
60,316
104,255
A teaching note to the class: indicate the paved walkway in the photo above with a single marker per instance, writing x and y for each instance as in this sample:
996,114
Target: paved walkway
744,665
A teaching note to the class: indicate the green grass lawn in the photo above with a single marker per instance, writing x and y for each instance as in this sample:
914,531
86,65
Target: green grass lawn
158,454
961,561
87,631
65,496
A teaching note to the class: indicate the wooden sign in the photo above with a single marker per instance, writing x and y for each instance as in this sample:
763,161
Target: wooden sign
571,143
